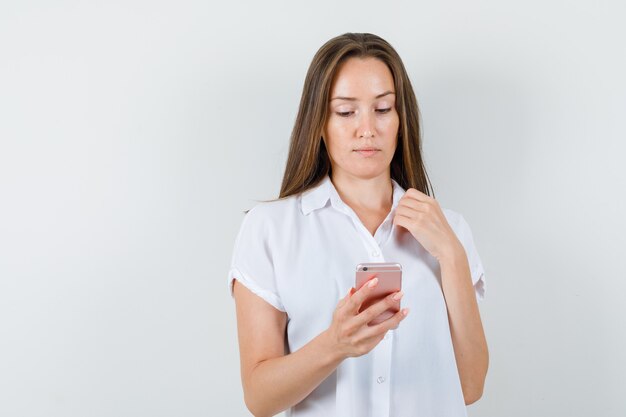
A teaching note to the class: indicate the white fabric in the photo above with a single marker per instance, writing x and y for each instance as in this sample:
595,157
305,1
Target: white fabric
300,254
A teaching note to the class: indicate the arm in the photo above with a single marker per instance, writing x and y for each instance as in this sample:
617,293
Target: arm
273,381
468,337
421,215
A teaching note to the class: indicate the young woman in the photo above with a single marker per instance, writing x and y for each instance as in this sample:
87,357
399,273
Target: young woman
355,190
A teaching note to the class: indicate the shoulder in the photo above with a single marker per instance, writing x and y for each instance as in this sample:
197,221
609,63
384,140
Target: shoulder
455,219
264,223
273,212
461,228
459,225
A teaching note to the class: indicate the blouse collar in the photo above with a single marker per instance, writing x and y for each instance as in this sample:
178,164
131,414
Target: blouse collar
318,196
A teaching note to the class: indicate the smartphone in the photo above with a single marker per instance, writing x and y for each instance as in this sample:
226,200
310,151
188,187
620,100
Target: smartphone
389,280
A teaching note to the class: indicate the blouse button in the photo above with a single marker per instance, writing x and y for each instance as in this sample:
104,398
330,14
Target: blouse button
380,379
375,253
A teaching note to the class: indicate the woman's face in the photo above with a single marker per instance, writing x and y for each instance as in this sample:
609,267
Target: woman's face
361,130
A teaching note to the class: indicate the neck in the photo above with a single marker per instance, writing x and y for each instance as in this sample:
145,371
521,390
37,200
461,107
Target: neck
374,193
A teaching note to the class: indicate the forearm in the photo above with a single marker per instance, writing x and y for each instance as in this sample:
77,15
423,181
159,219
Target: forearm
468,337
279,383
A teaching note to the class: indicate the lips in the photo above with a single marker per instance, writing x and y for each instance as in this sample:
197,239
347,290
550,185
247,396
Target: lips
367,151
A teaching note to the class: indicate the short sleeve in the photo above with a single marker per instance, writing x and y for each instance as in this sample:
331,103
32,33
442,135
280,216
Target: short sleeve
251,262
464,233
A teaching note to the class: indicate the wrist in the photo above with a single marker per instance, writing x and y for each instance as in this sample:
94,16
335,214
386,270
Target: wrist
330,348
454,257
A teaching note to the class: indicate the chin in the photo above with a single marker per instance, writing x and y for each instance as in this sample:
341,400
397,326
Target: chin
368,173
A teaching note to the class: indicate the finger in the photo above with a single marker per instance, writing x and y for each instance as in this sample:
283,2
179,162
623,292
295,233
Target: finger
373,311
407,212
345,299
381,328
400,220
375,339
418,195
361,294
414,205
395,320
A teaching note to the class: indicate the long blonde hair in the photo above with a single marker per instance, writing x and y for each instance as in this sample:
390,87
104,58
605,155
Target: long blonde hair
308,161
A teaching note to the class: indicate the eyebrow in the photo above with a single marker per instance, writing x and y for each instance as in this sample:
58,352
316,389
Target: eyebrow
354,98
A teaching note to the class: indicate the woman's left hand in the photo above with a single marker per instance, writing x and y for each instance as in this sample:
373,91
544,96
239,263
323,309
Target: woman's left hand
421,215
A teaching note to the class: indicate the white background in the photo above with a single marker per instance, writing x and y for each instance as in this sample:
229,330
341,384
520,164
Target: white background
134,134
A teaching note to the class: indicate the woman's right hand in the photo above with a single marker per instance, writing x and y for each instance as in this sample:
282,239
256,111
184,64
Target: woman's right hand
349,331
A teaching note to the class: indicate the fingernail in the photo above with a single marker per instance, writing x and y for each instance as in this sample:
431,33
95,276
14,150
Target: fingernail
398,295
372,282
405,312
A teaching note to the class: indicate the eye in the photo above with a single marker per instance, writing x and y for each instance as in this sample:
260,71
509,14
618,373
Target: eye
383,111
344,114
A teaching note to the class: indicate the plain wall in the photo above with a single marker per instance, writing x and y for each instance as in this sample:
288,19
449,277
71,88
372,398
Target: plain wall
133,134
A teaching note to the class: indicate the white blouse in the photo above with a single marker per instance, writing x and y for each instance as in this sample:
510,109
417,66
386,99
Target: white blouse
300,254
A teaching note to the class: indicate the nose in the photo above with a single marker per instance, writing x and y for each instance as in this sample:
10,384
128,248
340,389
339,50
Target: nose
366,125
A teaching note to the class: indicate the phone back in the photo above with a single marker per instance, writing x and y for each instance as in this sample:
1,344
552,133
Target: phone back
389,280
